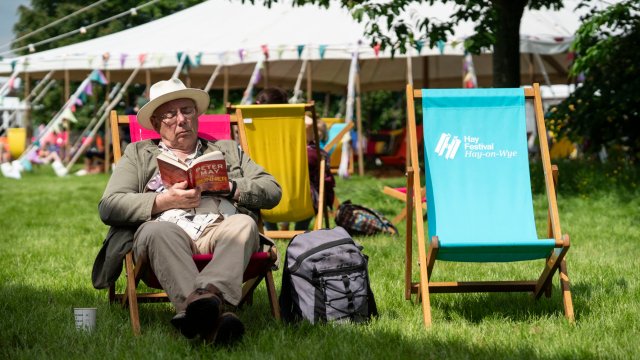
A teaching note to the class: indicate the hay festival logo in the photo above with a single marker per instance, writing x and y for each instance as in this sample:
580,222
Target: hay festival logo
448,146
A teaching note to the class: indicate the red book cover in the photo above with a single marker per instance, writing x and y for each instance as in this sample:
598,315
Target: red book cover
208,172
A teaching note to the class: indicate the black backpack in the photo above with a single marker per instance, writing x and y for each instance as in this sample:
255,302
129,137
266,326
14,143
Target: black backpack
325,278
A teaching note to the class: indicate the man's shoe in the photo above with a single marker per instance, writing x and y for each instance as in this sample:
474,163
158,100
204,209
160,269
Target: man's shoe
184,325
204,307
229,331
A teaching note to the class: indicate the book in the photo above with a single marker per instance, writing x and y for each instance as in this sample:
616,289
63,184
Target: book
208,172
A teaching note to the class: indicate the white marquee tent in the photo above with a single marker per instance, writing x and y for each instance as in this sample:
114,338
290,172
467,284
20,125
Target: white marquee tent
236,35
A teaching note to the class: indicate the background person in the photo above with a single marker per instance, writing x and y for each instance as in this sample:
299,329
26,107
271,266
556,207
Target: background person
168,225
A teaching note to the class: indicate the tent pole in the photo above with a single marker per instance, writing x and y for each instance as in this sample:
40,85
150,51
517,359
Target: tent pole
176,72
327,103
531,69
26,122
309,83
225,90
343,170
359,122
252,82
266,73
107,129
425,72
542,70
147,79
67,86
409,69
296,87
213,77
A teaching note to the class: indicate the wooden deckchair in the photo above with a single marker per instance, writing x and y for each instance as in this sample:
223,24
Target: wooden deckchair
479,192
260,265
275,138
337,129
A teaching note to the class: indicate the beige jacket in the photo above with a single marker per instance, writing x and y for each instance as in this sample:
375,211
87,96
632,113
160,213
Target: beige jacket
124,205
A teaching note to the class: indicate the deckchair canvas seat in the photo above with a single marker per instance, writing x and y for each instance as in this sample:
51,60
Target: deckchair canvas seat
274,136
258,264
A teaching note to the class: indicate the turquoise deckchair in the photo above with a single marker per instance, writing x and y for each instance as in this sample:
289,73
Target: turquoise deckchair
479,192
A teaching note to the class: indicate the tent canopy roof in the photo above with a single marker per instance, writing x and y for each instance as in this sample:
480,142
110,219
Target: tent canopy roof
236,35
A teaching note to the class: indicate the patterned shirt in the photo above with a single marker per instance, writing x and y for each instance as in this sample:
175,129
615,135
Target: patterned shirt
193,221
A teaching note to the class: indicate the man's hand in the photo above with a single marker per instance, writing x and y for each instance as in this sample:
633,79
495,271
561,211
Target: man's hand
177,197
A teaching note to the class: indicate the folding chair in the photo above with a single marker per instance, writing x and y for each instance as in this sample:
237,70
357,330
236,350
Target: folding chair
479,192
260,264
400,193
399,158
334,148
275,138
337,129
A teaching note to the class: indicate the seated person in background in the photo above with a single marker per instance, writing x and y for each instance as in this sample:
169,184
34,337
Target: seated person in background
5,155
167,225
43,155
94,156
279,96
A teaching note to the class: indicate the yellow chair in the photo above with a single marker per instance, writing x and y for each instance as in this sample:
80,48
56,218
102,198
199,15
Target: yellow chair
275,137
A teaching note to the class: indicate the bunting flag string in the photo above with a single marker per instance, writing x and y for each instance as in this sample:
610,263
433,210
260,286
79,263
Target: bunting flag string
13,65
322,50
376,49
142,58
280,51
89,89
300,49
419,45
123,58
105,58
265,51
441,45
98,76
241,54
198,59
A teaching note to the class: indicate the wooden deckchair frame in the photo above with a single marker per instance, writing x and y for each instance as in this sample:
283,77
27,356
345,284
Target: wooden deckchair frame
402,196
322,211
555,261
130,297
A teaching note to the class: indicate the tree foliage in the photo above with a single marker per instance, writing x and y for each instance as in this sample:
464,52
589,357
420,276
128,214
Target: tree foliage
497,27
604,110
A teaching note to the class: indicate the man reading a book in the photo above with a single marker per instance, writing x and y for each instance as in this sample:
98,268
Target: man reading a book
169,223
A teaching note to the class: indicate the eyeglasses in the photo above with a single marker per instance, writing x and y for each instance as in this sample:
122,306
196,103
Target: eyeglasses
170,118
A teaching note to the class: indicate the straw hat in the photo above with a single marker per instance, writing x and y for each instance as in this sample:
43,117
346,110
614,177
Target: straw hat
167,90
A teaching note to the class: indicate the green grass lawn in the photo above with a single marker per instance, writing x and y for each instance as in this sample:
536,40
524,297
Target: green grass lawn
50,233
